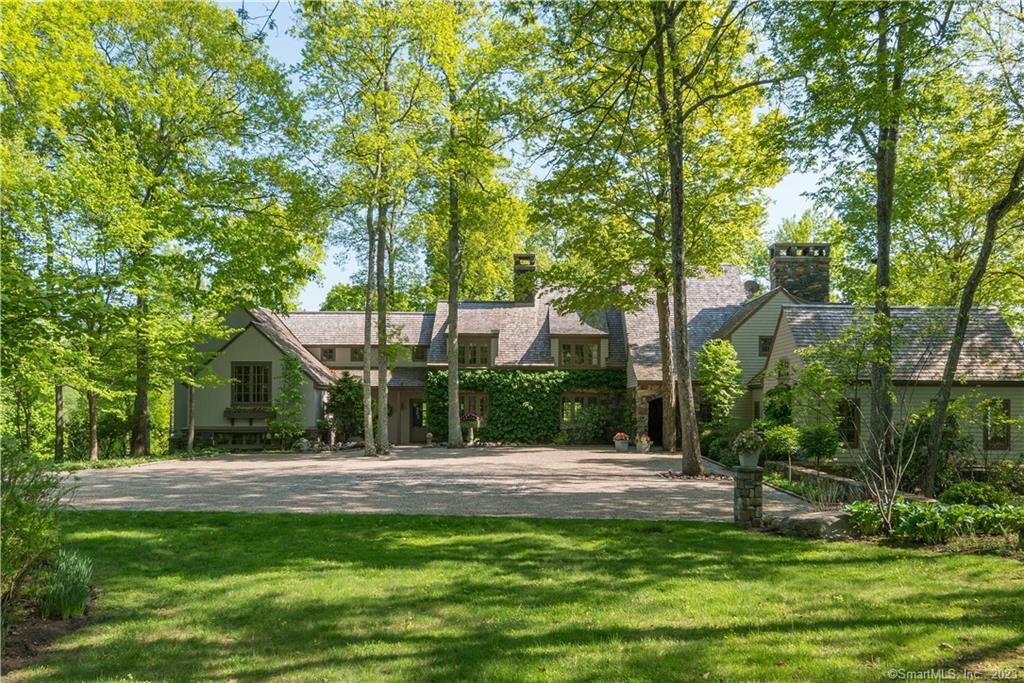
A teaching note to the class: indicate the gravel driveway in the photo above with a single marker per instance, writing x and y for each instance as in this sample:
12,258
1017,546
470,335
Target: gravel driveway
523,481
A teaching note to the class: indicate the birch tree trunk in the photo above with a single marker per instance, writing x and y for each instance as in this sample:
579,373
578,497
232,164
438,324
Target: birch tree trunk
383,440
368,440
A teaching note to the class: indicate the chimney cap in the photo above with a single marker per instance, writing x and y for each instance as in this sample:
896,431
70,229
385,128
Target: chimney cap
799,250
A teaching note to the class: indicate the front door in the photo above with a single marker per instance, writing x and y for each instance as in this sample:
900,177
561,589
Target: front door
417,431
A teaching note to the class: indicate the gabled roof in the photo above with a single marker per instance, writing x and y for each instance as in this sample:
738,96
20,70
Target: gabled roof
710,302
750,308
272,327
345,328
922,335
524,331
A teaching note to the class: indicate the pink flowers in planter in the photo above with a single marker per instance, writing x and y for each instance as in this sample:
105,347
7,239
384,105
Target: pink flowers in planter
620,436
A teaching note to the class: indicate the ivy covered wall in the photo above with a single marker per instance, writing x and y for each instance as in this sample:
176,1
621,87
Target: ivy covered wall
524,405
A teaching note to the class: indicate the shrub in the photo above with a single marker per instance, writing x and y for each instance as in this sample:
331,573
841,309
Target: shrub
955,450
345,407
719,449
820,441
593,424
68,587
917,522
974,493
1008,475
782,442
29,496
286,425
778,405
865,518
719,372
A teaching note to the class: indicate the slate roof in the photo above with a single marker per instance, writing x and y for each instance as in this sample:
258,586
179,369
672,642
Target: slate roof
710,302
990,352
345,328
524,331
283,338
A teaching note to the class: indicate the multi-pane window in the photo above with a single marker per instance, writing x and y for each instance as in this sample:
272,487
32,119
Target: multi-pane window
764,346
580,354
573,403
419,353
848,420
356,353
327,353
473,403
995,426
474,353
250,383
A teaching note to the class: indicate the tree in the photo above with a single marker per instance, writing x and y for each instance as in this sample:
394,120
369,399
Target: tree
719,372
344,406
866,66
286,425
364,67
349,297
474,51
607,186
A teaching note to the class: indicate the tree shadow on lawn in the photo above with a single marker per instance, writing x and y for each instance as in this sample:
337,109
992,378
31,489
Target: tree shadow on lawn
292,596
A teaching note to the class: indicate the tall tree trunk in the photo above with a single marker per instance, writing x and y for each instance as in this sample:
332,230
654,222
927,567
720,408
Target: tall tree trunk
140,425
58,423
94,442
383,440
454,276
190,417
368,440
672,122
668,393
881,443
1013,196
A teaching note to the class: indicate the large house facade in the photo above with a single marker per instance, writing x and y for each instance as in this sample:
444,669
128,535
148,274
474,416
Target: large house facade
528,335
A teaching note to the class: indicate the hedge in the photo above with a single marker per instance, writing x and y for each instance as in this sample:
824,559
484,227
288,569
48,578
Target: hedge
524,405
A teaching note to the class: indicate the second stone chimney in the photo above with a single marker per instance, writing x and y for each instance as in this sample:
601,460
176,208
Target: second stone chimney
801,268
524,278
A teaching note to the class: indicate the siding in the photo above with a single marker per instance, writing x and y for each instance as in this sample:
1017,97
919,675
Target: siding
745,340
250,346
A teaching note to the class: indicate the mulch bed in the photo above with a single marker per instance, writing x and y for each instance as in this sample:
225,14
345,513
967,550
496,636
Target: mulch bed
32,635
672,474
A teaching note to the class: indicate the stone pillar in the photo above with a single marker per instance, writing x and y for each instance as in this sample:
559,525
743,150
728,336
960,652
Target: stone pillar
746,502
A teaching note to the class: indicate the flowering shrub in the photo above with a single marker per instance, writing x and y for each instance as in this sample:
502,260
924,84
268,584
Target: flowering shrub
621,436
748,442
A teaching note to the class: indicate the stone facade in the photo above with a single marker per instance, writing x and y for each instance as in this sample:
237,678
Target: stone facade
747,501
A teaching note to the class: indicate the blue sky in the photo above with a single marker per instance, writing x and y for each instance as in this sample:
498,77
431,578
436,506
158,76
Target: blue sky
786,198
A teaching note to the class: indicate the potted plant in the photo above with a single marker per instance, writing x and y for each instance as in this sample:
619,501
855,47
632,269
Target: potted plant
621,440
643,443
748,445
471,422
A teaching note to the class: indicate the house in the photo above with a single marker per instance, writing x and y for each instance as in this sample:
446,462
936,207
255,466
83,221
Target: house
609,359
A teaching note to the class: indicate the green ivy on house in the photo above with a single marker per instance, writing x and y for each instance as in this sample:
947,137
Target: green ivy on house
524,405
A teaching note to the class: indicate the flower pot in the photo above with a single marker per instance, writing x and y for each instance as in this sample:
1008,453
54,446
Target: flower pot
622,445
643,446
748,459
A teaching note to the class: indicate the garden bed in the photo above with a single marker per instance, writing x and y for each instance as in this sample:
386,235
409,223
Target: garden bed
846,489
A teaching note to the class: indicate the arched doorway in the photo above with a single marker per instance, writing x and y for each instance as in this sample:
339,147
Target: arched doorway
655,421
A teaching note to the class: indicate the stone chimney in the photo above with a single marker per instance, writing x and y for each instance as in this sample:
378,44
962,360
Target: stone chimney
524,278
802,269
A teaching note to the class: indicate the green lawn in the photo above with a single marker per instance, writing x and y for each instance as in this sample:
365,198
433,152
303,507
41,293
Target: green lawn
188,596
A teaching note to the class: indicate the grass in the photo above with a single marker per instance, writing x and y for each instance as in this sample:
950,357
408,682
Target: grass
107,463
220,596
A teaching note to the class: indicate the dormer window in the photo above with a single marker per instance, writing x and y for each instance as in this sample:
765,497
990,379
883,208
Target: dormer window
581,354
476,353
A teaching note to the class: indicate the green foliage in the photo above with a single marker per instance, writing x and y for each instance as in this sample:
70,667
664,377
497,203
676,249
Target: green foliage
67,585
816,393
719,372
286,425
351,297
974,493
345,406
778,404
748,441
820,441
29,497
1008,474
781,443
956,449
931,524
595,424
524,406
